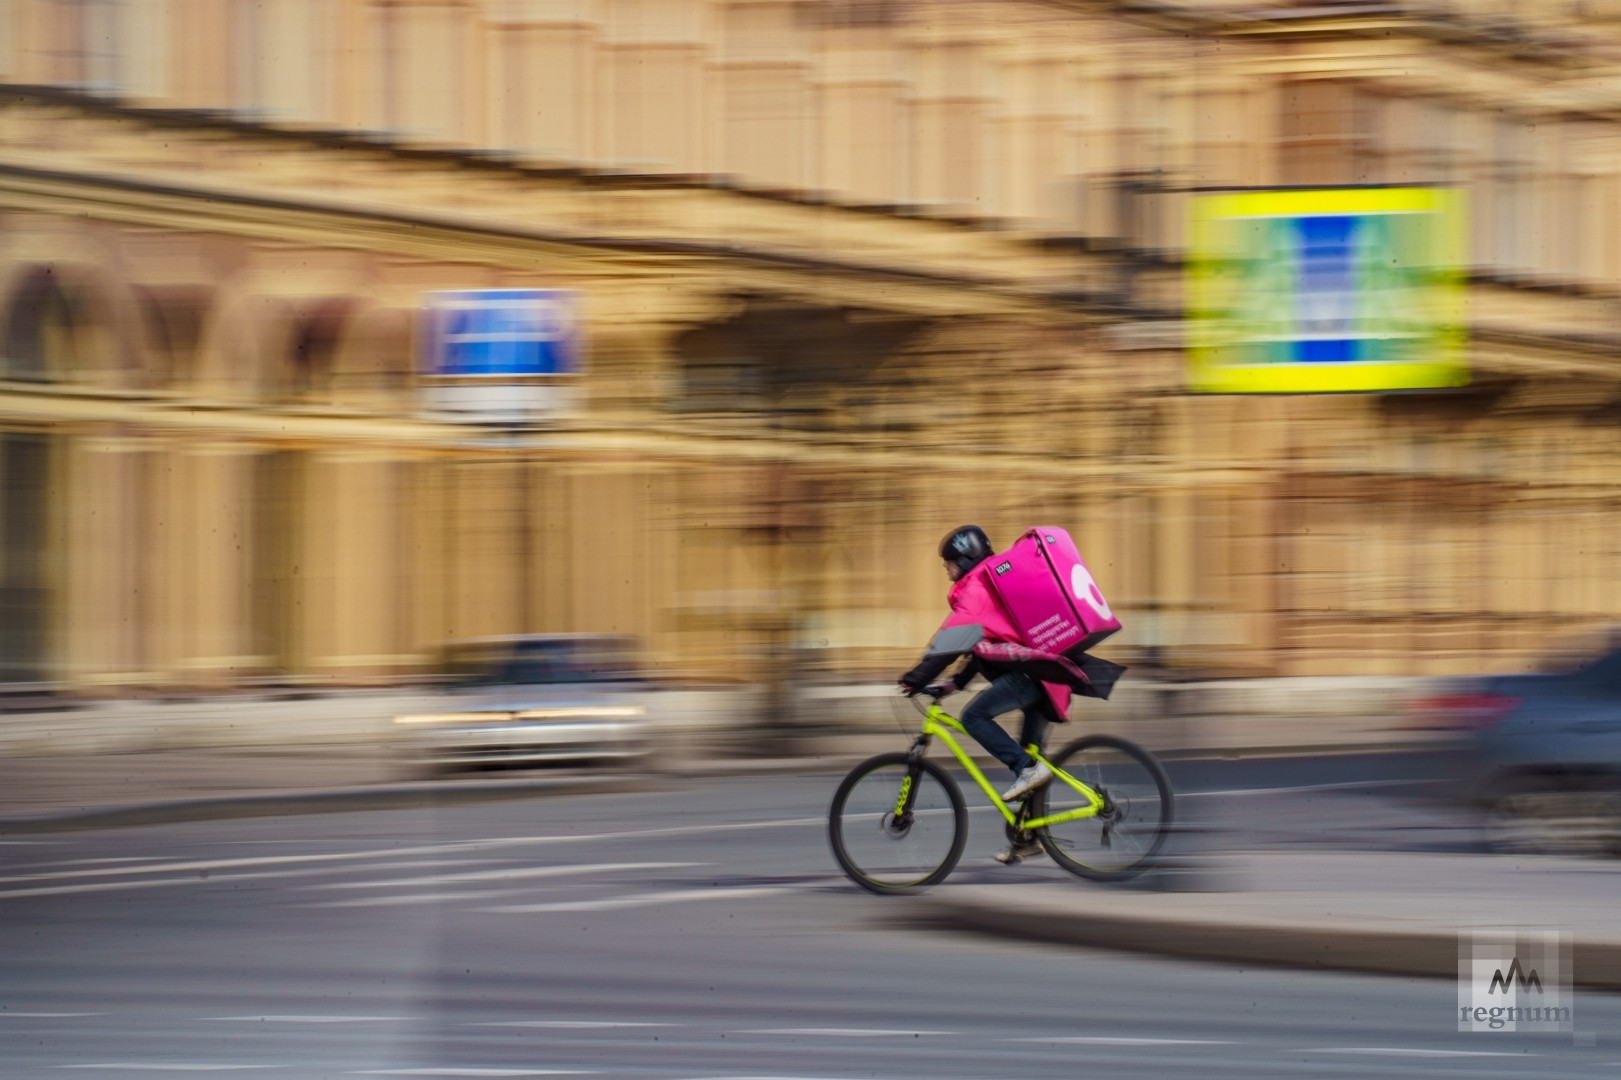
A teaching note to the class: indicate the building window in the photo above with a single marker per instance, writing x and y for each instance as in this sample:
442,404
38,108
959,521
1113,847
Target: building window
389,87
84,43
24,541
41,331
421,66
1325,127
1514,216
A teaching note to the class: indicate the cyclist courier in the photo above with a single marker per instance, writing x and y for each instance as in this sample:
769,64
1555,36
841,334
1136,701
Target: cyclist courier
1024,619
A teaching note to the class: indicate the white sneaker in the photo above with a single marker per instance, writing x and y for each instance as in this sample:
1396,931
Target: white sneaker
1032,778
1018,851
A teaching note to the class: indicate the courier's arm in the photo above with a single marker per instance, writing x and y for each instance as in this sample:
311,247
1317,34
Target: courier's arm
949,643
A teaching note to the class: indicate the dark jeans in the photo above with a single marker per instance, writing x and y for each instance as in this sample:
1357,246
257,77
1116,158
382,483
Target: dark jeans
1015,690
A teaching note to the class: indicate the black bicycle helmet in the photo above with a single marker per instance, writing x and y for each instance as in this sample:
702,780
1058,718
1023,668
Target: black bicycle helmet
966,547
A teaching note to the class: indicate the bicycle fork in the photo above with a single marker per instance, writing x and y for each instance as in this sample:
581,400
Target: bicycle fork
908,790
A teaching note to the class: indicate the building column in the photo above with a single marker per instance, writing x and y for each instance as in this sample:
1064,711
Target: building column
361,604
186,567
221,637
106,555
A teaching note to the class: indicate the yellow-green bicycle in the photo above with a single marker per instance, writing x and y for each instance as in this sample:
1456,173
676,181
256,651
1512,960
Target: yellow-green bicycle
898,822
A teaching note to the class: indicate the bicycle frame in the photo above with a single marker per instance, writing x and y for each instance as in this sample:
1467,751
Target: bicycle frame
937,723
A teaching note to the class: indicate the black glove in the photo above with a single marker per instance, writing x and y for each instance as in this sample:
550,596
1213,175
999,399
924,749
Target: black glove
927,670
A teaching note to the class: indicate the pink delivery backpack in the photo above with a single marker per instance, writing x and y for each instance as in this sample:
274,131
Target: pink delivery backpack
1045,596
1051,596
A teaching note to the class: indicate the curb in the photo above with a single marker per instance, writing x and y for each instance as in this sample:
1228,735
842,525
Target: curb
1428,951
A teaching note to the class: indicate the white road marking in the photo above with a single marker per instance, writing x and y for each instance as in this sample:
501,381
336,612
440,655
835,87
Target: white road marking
155,883
412,864
508,874
318,1019
459,847
453,1071
99,886
567,1024
1406,1051
166,1066
148,883
640,900
214,865
1296,790
411,899
639,834
846,1033
1107,1040
448,897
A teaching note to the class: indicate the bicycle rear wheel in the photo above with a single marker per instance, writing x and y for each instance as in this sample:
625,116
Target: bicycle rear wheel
1124,837
887,846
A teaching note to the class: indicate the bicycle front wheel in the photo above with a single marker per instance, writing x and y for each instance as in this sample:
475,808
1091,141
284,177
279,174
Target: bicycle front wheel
1123,838
897,824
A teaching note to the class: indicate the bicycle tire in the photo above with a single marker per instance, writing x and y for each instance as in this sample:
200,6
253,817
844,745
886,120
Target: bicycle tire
1125,839
879,854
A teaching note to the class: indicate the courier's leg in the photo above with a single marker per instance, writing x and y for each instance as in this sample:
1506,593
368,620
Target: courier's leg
1008,692
1036,718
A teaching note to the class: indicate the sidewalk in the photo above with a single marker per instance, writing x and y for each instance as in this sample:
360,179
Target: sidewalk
1388,912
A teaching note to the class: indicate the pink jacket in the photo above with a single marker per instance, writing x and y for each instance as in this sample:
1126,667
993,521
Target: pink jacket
973,603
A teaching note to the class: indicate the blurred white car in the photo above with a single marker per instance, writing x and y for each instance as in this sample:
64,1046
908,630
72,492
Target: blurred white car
534,699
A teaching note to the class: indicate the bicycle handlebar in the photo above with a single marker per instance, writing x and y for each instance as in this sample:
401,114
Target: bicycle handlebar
934,692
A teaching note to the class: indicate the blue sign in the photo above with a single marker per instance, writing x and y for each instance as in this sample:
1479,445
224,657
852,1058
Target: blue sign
500,333
1326,269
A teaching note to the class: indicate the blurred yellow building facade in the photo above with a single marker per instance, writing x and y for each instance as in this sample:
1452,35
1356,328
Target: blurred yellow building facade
854,272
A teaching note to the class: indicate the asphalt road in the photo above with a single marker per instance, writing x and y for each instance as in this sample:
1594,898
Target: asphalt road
695,931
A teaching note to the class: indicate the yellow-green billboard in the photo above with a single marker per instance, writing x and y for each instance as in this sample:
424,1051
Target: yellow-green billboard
1317,290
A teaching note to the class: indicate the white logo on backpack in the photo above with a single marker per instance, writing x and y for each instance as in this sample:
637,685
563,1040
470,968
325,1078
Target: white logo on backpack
1085,588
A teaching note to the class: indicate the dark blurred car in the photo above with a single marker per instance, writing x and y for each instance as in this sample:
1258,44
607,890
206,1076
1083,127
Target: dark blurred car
534,699
1540,754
